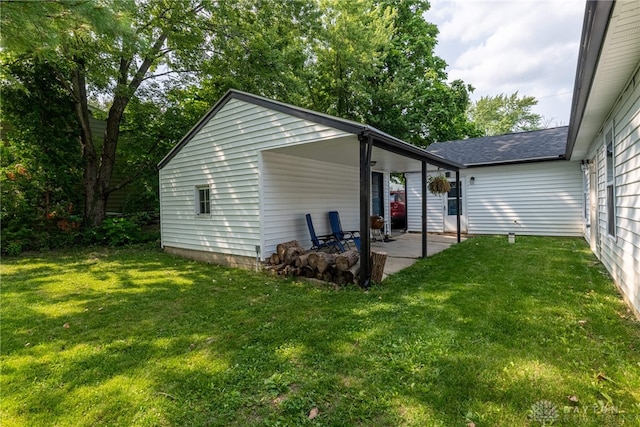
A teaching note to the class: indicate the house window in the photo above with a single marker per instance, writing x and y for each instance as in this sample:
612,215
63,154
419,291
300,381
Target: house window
611,191
203,200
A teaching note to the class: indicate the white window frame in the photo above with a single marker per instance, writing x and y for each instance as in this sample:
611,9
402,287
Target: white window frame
201,190
610,181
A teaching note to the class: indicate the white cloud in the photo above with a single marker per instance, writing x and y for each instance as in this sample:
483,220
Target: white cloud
507,46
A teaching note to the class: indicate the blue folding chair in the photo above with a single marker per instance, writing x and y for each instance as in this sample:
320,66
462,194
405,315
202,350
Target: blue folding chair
320,242
340,235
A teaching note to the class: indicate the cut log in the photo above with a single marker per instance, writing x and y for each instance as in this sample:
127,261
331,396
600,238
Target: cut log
274,259
276,267
290,271
292,253
301,261
282,247
312,260
307,271
345,260
378,259
351,275
339,278
325,261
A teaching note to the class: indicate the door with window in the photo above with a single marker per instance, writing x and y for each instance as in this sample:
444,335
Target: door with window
451,209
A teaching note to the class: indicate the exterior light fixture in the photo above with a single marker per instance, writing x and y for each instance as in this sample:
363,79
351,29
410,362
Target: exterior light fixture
584,165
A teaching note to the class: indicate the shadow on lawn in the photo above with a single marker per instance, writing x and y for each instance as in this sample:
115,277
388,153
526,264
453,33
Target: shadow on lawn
159,340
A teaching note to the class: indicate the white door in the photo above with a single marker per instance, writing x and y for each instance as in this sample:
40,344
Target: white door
451,209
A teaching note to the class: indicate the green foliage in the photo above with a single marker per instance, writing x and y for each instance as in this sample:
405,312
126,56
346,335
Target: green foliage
120,231
367,60
40,165
136,337
503,114
107,50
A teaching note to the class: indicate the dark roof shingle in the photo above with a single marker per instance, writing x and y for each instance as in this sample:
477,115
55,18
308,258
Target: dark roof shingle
538,145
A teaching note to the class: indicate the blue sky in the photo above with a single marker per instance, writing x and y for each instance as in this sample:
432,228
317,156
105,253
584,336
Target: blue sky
517,45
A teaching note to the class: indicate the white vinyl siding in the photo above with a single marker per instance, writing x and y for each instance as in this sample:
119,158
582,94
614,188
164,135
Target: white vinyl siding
295,186
224,155
543,198
621,253
435,207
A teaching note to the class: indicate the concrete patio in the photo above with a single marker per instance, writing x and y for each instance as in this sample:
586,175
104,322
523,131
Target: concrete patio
404,249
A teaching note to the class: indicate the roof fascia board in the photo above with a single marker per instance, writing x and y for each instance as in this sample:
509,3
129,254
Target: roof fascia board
594,29
341,124
302,113
195,129
380,139
515,162
385,142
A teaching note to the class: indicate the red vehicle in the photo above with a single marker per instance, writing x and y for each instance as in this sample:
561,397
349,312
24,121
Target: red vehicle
398,209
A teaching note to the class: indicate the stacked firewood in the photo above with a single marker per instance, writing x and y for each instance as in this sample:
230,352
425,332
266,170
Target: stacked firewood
290,259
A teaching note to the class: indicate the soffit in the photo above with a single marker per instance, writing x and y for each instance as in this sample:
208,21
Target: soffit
346,151
619,59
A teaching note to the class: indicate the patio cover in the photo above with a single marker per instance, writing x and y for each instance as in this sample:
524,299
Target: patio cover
370,145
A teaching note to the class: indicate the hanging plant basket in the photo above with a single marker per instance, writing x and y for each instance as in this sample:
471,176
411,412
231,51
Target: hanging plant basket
438,184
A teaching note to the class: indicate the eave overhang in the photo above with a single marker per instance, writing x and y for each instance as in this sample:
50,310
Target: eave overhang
380,139
608,59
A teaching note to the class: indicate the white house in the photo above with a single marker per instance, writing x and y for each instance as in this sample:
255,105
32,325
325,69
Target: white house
242,180
584,180
604,134
517,183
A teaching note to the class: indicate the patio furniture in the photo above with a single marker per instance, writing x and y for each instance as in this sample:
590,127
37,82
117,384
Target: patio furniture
320,242
345,237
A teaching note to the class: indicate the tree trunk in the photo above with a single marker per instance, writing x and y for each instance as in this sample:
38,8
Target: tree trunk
89,155
97,172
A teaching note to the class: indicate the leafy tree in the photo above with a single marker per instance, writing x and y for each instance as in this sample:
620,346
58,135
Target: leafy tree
155,67
505,114
108,50
376,63
41,173
410,96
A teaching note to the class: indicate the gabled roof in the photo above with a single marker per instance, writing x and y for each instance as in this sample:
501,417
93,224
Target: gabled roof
522,147
379,138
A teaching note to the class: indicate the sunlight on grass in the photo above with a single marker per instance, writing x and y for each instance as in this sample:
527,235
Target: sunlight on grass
136,337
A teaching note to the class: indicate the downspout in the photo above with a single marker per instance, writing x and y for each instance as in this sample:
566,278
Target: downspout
424,209
366,145
459,188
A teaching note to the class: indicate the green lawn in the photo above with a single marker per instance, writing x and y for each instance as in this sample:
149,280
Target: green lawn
481,333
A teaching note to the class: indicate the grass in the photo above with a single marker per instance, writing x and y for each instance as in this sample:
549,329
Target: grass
480,333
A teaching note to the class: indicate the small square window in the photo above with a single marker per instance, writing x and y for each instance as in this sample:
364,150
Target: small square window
203,201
